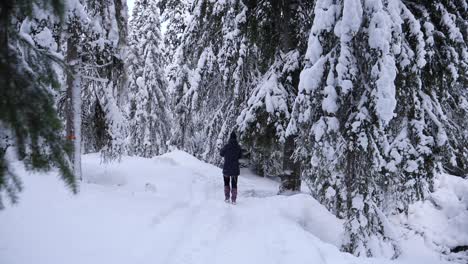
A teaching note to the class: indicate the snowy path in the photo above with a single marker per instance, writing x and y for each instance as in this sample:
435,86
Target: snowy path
168,210
201,228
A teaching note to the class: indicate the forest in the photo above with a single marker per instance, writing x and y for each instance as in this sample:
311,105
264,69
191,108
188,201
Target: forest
361,102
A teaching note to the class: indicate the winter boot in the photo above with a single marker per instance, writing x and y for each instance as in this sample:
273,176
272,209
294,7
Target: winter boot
233,195
227,190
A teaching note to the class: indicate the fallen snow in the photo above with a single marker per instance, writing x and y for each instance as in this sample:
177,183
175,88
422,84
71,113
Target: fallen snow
170,209
442,220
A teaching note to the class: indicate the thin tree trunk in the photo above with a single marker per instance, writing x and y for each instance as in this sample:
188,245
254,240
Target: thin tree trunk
73,114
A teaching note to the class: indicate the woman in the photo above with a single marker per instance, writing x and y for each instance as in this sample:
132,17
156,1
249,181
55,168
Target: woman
231,153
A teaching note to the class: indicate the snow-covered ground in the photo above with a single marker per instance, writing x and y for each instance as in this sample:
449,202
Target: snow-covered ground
170,209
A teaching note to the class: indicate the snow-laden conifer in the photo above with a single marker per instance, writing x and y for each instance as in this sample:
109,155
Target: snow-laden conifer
278,30
148,99
104,77
370,112
30,64
208,77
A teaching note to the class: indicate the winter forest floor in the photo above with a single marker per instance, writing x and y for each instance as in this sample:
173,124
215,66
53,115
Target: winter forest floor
170,209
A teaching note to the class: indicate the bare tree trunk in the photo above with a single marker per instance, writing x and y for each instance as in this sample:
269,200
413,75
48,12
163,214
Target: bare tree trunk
73,108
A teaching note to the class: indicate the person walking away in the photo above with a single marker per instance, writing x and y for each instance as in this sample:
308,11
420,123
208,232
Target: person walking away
231,153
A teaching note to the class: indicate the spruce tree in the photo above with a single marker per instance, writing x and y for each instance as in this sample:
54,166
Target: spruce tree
229,55
174,16
104,78
28,79
277,29
210,75
370,122
149,113
443,78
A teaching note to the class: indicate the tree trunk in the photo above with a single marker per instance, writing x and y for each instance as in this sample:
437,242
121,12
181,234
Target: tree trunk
291,178
73,108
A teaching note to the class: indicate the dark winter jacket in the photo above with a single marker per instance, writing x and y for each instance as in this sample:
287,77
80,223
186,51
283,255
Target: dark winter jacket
231,153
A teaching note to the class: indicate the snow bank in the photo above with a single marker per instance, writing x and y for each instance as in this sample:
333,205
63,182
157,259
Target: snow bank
441,222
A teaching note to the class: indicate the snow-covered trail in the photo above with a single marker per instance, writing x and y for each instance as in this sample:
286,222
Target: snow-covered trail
206,230
169,210
197,226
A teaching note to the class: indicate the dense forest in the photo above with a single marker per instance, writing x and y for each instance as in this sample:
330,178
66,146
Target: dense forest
364,101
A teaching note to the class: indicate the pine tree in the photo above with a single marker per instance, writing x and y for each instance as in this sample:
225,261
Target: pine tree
263,123
213,61
104,78
149,113
174,15
231,51
276,28
28,76
369,120
443,78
